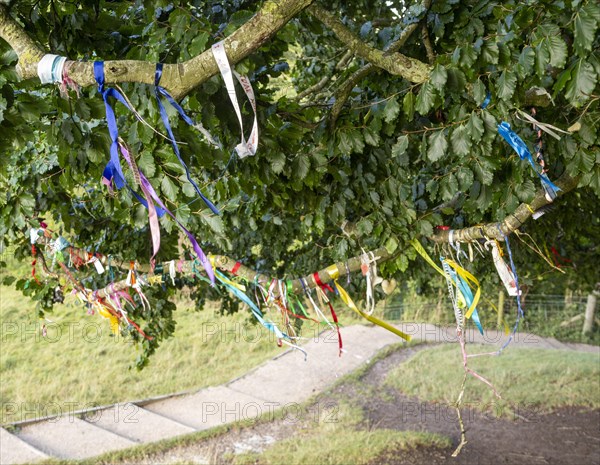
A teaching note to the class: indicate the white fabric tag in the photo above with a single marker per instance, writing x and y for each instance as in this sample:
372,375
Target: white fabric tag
245,147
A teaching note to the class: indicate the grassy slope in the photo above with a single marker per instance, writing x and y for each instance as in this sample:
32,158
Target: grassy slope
88,365
546,379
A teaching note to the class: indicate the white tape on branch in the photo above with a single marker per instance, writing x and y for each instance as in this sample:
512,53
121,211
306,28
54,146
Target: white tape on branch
245,147
50,68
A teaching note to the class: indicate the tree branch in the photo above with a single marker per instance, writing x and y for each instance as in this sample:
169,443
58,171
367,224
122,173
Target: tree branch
227,264
223,263
325,79
395,63
511,222
27,50
343,92
428,46
178,79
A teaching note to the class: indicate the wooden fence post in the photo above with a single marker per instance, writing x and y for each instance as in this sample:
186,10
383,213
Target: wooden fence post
590,309
500,308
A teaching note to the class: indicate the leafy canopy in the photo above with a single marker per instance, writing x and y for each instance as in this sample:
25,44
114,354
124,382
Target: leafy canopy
400,159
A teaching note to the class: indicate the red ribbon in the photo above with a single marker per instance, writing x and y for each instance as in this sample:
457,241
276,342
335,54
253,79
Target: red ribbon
235,268
327,287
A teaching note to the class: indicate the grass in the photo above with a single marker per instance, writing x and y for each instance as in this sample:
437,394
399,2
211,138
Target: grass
80,364
525,378
79,361
340,442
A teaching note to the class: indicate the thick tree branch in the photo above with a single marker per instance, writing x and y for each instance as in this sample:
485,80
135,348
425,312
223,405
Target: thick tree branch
27,50
227,264
511,222
178,79
395,63
223,263
344,91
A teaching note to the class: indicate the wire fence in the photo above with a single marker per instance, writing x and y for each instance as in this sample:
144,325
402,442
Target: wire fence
545,315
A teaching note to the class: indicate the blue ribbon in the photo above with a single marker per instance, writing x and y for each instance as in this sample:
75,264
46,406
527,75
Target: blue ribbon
255,310
486,101
519,307
521,148
161,91
467,294
113,168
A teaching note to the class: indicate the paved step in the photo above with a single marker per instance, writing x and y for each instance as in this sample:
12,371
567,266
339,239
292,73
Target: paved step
71,438
291,379
14,450
210,407
137,424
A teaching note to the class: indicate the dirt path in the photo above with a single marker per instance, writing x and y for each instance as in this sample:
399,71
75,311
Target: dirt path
567,436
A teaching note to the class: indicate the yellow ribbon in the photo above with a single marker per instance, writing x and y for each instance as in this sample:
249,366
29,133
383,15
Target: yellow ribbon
113,320
226,280
334,273
468,277
155,279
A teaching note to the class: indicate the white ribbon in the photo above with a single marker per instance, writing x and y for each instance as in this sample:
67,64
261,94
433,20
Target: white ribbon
245,147
504,271
50,68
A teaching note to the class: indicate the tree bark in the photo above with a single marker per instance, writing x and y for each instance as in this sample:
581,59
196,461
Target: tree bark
395,63
511,222
178,79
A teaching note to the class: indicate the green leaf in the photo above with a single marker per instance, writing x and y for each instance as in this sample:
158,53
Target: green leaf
364,227
582,83
461,144
558,51
187,189
425,98
198,44
479,92
475,127
146,164
214,222
490,52
526,62
437,145
425,228
183,214
465,178
371,136
399,148
341,249
506,85
408,105
301,166
277,161
468,55
438,77
391,110
562,80
448,187
585,30
391,244
169,188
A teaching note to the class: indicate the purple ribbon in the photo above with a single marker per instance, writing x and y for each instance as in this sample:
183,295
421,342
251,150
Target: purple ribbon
148,189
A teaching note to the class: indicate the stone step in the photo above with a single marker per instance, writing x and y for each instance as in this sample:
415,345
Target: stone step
210,407
291,379
68,437
14,450
137,424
